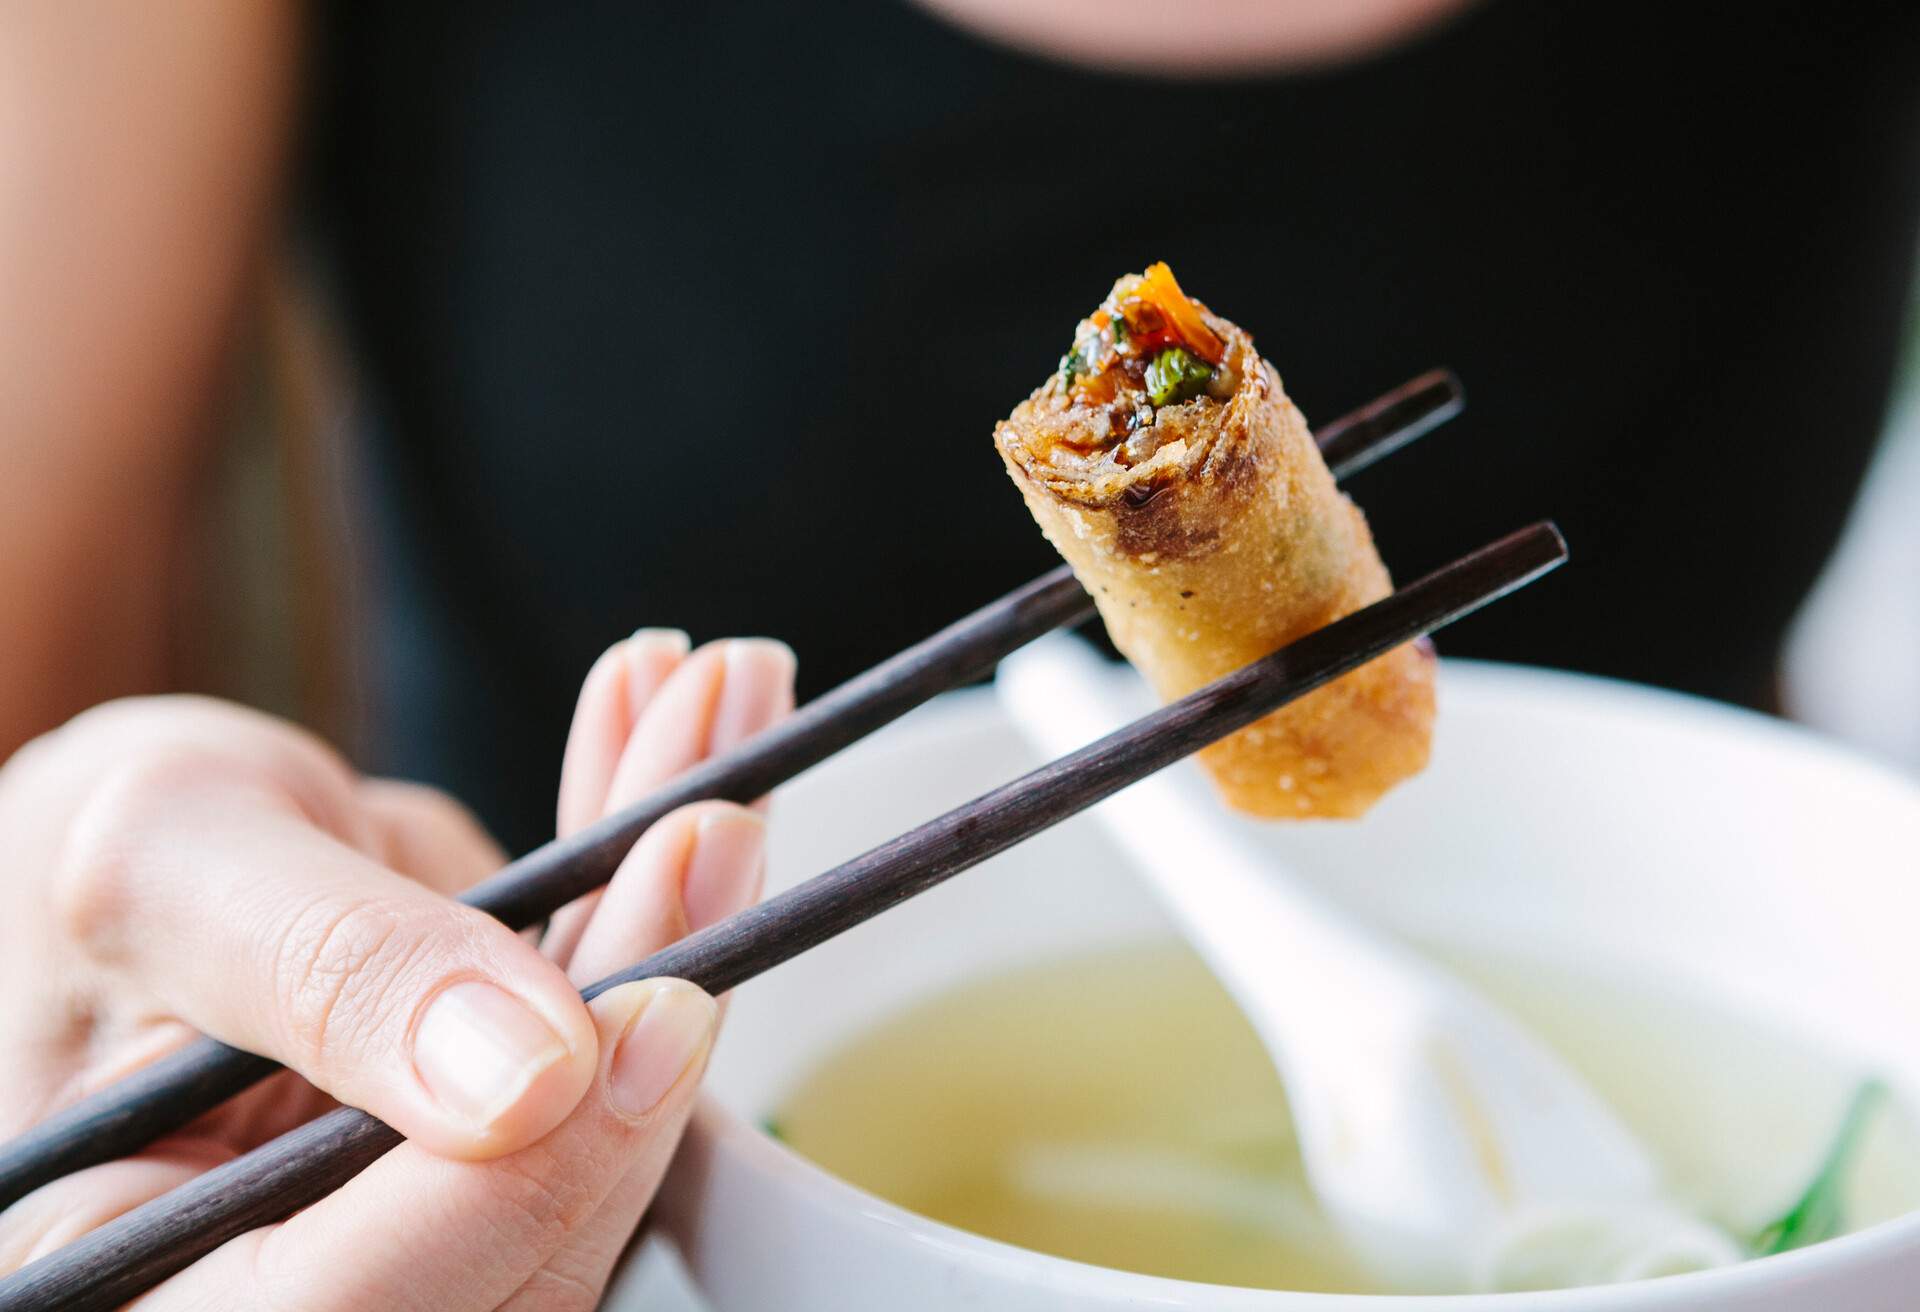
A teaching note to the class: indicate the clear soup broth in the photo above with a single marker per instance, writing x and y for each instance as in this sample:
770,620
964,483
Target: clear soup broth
1116,1108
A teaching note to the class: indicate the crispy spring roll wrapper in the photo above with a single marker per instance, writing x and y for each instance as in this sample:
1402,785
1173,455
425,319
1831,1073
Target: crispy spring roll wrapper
1230,540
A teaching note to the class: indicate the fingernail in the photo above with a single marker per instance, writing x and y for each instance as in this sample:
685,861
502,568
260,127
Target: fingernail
758,686
478,1048
673,1031
672,639
652,655
726,866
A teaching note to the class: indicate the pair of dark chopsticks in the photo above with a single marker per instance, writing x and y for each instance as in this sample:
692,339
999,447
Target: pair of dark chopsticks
166,1095
130,1254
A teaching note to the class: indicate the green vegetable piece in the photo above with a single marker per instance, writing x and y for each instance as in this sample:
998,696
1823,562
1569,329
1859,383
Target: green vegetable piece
1176,375
1820,1212
1117,325
774,1129
1072,365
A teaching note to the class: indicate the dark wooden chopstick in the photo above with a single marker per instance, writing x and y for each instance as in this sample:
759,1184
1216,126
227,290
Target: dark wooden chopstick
136,1251
1382,426
164,1096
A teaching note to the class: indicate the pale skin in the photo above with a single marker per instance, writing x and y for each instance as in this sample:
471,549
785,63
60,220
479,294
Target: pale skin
187,865
180,866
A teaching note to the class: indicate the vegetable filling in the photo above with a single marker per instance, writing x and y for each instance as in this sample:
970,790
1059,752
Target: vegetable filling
1148,345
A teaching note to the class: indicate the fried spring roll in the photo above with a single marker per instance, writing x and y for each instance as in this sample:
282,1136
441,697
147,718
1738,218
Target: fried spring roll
1167,465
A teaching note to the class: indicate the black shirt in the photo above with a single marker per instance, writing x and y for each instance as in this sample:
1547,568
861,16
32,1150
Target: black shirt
629,283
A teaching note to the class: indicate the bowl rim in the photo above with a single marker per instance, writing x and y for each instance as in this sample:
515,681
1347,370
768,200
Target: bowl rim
728,1131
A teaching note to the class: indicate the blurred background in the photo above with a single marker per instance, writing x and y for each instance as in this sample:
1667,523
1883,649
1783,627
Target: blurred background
289,569
379,366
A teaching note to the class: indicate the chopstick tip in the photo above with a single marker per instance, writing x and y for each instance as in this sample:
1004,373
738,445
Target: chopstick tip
1550,530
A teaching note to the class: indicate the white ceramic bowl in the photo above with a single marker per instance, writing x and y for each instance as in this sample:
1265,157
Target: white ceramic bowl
1743,856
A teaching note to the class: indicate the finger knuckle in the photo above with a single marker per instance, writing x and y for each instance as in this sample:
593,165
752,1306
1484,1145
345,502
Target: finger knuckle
444,812
415,816
95,876
119,715
339,966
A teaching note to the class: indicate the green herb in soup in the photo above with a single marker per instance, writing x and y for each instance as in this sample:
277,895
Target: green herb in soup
1116,1108
1821,1212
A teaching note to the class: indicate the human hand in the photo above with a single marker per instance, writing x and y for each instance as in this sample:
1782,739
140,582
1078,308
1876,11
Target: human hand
182,865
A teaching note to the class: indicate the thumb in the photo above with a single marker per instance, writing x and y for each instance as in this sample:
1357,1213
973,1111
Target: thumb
203,885
475,1233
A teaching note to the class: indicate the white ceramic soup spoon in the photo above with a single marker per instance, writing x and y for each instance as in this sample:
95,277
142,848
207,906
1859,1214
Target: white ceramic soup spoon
1447,1146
